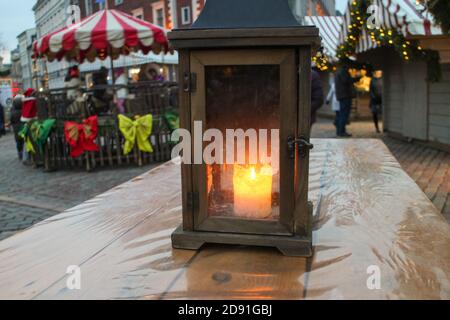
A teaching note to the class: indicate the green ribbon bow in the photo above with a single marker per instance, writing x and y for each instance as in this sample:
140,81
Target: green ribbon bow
25,135
38,133
173,122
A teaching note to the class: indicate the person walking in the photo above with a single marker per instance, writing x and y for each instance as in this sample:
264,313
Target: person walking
2,120
121,76
73,83
344,94
17,125
335,106
316,95
376,100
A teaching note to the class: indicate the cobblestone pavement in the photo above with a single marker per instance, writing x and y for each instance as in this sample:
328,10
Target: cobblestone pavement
29,195
430,168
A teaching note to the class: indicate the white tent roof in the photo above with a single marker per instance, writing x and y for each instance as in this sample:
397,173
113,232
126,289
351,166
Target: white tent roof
329,28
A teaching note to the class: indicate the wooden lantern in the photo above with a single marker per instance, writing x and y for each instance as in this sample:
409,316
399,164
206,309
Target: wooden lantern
247,64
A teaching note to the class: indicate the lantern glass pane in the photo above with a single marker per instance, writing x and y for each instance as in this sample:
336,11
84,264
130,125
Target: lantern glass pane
243,107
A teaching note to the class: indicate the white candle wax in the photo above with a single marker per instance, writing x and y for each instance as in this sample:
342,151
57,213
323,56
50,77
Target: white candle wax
252,192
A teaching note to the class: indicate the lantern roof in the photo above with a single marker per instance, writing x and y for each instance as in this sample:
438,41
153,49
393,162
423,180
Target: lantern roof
237,14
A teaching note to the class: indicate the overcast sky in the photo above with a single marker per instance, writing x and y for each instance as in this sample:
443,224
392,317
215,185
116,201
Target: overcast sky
17,16
341,4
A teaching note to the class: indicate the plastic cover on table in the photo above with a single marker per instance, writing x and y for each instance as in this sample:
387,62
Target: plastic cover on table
370,219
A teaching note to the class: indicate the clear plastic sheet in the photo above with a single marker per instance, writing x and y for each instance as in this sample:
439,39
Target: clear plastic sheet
368,212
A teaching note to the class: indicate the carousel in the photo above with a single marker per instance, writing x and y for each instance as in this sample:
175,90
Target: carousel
111,121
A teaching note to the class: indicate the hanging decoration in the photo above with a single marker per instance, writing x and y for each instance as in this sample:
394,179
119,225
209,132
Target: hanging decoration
25,135
40,131
407,49
172,119
81,136
137,130
36,133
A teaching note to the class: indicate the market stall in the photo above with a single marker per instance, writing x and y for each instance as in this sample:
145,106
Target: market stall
415,73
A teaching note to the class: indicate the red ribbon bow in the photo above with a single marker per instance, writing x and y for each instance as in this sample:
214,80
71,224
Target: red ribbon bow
80,136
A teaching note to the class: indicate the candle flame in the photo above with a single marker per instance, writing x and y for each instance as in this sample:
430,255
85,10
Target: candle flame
253,173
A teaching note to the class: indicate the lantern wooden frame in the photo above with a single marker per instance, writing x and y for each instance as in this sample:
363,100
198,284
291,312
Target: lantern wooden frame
291,49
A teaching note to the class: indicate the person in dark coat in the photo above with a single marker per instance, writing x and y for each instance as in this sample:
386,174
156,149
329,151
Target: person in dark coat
344,93
376,92
317,97
101,101
2,120
16,124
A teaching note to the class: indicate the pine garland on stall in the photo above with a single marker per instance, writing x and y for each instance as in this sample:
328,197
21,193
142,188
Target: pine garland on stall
386,37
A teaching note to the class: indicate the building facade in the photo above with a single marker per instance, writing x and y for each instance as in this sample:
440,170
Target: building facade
25,40
179,14
51,15
16,68
154,11
169,14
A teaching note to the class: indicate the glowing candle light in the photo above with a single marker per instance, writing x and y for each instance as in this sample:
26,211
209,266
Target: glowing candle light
252,192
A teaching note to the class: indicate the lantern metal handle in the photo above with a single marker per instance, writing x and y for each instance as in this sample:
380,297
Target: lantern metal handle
303,145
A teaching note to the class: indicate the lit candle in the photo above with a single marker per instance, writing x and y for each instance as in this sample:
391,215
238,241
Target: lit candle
252,192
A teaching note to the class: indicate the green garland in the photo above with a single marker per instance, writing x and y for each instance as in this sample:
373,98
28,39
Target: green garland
322,62
386,37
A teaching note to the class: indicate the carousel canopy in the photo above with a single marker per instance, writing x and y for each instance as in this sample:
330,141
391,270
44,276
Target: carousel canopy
105,33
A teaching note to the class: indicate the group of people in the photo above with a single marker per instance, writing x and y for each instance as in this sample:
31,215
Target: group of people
341,94
102,96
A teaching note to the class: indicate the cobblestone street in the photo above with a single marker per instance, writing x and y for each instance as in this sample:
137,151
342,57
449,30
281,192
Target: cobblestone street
28,196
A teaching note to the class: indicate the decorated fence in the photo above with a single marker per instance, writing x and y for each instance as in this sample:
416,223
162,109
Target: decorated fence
68,134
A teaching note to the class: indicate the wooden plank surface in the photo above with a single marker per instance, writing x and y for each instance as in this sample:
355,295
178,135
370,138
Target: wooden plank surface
368,212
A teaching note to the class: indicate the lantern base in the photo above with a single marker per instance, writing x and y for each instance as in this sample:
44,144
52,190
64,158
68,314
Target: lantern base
294,246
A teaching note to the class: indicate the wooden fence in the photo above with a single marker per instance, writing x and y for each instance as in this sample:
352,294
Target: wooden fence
155,98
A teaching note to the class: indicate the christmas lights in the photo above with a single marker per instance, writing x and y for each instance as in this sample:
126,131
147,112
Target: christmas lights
386,37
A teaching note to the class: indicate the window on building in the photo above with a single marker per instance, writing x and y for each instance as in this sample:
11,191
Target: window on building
138,13
88,7
160,17
186,15
158,13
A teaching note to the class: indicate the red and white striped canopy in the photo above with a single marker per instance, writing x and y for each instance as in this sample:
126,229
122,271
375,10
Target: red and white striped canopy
329,28
407,16
105,33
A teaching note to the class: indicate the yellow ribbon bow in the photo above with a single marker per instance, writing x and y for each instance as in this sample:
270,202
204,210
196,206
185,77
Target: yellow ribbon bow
138,130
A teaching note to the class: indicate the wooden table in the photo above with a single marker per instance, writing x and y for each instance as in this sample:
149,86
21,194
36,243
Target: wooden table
368,213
